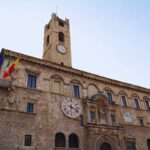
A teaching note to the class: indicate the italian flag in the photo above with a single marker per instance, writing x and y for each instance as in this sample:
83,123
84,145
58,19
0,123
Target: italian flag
9,70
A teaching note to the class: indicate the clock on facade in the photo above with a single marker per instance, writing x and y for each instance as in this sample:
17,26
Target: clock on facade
61,49
71,107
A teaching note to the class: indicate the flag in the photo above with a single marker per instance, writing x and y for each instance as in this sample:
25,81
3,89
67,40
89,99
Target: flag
4,67
8,64
9,71
1,58
1,61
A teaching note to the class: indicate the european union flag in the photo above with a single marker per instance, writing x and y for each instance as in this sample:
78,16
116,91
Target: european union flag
1,58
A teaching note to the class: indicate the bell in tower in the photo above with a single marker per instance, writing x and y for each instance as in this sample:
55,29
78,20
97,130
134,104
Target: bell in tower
57,46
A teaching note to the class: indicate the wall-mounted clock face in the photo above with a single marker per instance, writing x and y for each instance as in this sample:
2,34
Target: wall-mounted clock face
71,107
61,49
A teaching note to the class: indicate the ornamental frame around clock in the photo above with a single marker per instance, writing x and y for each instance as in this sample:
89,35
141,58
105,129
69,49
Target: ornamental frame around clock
71,107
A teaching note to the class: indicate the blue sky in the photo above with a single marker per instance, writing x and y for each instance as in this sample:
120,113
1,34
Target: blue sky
110,38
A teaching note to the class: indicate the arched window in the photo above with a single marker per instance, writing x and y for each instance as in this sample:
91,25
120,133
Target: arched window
123,100
148,144
110,96
105,146
61,37
73,141
60,140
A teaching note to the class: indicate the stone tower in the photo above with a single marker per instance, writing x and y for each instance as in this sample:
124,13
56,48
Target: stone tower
57,47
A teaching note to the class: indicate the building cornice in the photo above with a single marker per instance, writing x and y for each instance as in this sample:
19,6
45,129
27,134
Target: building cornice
74,71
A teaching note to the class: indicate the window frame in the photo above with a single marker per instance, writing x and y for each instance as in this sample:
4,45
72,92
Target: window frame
132,143
28,140
137,105
36,79
76,138
113,119
92,116
28,110
141,122
63,142
61,37
147,105
81,120
110,93
124,101
74,93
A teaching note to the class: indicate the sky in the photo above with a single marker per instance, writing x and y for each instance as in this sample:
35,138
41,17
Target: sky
110,38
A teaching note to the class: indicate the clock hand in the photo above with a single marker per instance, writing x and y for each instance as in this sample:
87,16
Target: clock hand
74,108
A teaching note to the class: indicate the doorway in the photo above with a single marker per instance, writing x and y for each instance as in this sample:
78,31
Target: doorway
105,146
148,144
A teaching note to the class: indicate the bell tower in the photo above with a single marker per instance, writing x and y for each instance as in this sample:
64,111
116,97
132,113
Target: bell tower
57,47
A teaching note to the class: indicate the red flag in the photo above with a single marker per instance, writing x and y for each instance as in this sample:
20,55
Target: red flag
9,71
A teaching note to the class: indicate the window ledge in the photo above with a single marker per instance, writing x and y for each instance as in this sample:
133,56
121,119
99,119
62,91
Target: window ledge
63,148
30,113
60,148
18,111
26,148
73,148
32,71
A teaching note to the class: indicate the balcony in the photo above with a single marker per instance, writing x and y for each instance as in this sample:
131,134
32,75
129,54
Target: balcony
5,83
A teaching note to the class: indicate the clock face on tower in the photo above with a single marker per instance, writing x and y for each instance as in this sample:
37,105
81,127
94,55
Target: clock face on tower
71,107
61,49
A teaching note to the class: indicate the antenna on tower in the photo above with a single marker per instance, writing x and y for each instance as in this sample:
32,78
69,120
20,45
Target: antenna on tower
57,4
56,9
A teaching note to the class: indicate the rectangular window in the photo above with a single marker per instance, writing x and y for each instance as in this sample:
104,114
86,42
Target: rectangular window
113,119
92,116
81,120
124,102
76,91
110,97
130,145
147,105
136,101
141,122
32,79
28,140
30,107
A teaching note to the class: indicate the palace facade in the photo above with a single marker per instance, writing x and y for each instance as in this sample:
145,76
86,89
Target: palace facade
48,105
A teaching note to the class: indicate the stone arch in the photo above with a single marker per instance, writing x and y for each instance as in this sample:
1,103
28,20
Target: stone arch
56,84
110,94
55,76
123,98
146,97
134,95
60,139
100,97
76,82
122,93
92,90
108,89
112,141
